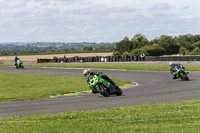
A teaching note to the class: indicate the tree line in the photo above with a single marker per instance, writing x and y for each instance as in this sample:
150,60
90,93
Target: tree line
33,49
164,45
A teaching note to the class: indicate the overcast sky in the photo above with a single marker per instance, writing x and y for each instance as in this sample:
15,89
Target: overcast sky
96,20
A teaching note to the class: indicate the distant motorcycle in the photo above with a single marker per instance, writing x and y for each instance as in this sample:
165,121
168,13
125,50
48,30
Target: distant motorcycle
18,64
182,74
103,86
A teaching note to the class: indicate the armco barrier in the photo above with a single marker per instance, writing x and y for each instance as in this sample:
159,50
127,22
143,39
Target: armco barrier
172,58
124,58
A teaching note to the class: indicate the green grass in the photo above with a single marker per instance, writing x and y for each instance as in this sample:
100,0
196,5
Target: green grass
166,118
142,67
158,118
14,87
6,65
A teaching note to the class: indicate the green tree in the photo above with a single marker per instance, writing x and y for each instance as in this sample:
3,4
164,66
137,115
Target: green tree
66,50
138,51
55,59
101,48
88,48
183,50
123,46
116,53
190,38
126,53
185,44
154,50
169,44
139,41
195,51
196,44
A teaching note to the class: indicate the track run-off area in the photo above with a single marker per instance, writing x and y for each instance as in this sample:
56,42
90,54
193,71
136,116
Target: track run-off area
153,87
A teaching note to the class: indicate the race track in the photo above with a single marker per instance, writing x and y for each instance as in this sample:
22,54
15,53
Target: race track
154,87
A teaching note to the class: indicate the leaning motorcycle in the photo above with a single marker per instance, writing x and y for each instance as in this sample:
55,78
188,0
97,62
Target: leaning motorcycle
182,74
19,64
103,86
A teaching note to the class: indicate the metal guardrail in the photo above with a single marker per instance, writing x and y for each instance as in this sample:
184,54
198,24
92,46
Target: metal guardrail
172,58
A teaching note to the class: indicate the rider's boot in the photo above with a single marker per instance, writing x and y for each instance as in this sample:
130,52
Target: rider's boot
114,85
174,77
94,92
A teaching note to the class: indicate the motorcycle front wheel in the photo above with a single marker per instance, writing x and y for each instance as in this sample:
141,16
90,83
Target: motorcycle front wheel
184,77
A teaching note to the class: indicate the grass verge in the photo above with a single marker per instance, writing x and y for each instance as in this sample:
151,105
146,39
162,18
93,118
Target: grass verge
14,87
169,117
142,67
6,65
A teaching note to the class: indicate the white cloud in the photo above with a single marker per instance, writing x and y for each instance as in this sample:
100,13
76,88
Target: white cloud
161,6
95,20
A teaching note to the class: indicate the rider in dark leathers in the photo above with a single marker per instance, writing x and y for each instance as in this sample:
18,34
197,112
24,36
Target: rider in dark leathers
16,58
174,68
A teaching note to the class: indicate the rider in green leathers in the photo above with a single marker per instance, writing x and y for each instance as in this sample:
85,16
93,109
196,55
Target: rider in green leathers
87,73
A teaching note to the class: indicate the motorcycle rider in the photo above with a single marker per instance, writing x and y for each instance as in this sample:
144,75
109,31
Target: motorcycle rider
172,67
175,69
87,73
16,58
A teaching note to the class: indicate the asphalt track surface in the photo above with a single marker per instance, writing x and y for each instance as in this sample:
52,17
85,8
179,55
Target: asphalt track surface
153,87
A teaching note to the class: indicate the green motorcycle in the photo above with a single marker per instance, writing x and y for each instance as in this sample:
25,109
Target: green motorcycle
102,86
182,74
18,64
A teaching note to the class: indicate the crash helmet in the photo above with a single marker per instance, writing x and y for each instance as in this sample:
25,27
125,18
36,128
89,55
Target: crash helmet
171,63
86,72
180,65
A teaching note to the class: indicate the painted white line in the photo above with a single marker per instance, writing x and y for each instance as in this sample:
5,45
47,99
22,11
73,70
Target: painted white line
135,84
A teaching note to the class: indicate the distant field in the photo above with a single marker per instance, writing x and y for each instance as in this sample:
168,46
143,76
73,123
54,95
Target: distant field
34,57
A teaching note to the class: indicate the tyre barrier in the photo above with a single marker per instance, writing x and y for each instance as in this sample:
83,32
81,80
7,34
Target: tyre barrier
123,58
93,59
